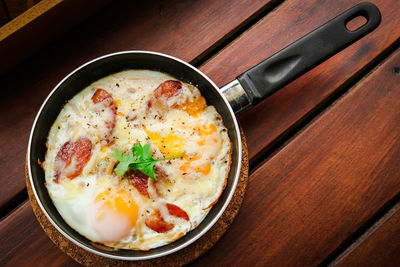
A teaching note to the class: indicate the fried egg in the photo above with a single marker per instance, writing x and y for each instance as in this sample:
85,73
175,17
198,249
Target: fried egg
133,211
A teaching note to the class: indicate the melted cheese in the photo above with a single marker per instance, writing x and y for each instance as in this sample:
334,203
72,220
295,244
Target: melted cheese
97,201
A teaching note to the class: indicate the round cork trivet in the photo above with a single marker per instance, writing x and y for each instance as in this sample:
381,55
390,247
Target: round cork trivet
179,258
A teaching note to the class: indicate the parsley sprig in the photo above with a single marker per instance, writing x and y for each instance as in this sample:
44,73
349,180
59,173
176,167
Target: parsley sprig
138,159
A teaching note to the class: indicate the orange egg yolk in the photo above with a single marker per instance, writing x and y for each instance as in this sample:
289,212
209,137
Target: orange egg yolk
194,108
205,131
188,165
170,145
116,215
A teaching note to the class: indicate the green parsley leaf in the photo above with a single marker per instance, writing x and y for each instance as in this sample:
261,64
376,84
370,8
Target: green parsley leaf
124,161
139,159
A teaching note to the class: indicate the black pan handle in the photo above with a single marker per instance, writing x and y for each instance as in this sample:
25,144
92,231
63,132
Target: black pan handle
306,53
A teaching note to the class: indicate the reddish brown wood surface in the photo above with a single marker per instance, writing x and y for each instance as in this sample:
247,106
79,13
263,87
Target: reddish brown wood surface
308,206
380,247
171,28
324,184
290,21
308,198
39,25
20,229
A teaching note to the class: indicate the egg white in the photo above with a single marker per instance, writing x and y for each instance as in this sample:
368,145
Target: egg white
188,188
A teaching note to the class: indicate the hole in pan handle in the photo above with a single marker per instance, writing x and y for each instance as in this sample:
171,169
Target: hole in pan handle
270,75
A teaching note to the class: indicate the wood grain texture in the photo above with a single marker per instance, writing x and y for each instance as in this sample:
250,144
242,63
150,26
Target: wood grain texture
179,258
17,7
23,242
380,247
266,122
322,186
171,28
40,24
305,200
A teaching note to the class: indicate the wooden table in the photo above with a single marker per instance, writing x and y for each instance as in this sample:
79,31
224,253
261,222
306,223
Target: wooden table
324,151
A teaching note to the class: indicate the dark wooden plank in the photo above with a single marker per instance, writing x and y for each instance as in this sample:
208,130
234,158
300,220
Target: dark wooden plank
39,25
4,18
317,190
290,21
24,243
182,28
380,246
322,186
277,188
17,7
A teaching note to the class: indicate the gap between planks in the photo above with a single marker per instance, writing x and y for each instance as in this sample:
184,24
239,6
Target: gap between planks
242,28
201,59
283,139
389,208
383,215
290,170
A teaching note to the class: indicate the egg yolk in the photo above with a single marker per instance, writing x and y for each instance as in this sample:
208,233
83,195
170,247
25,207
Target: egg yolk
208,145
205,131
170,145
204,168
194,108
116,215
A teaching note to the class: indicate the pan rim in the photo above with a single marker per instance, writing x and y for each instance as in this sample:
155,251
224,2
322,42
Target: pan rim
189,241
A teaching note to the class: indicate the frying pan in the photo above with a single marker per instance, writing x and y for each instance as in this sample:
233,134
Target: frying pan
247,89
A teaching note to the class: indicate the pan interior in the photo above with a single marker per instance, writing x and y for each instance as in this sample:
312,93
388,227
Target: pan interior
100,68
